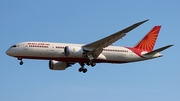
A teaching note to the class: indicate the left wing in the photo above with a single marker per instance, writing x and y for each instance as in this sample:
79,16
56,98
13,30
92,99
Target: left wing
95,48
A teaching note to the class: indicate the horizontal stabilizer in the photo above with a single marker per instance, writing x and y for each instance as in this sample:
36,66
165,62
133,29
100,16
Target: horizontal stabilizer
157,50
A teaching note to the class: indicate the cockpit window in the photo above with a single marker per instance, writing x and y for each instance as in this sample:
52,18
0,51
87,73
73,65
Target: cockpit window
13,46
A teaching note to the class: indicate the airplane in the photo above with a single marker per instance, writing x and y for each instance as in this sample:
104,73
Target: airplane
64,55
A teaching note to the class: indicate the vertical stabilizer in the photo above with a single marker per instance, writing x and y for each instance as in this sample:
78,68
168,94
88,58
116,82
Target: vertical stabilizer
148,42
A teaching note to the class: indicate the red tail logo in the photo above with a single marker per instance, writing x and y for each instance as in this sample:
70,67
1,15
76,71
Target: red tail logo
148,42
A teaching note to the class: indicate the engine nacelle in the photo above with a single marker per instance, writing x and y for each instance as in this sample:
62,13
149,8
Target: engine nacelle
56,65
73,51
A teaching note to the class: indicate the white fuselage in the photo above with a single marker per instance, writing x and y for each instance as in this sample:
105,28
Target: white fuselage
55,51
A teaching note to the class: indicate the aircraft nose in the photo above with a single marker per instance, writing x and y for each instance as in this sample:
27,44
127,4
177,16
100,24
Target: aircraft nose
8,52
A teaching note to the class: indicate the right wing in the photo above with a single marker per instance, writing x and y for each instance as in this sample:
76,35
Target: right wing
95,48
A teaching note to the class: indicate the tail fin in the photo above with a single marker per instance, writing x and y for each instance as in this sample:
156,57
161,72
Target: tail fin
148,42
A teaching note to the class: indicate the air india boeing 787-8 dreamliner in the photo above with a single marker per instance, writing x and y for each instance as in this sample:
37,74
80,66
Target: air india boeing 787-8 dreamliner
64,55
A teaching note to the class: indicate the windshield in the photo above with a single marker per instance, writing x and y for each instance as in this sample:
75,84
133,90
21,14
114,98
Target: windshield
13,46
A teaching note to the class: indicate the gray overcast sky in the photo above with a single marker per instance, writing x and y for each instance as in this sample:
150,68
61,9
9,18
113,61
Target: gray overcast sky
79,21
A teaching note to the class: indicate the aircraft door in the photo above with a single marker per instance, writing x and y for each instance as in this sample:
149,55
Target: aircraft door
25,46
50,50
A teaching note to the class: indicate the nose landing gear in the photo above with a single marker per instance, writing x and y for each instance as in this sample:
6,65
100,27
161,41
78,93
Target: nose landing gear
21,62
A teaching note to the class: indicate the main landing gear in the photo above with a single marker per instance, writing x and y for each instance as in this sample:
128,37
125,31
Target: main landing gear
91,63
83,69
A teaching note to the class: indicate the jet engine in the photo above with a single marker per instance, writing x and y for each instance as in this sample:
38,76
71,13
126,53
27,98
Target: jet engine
73,51
57,65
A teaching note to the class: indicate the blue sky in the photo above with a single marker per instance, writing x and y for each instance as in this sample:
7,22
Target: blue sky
79,21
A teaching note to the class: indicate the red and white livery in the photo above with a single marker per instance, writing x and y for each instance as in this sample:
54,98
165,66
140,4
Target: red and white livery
63,55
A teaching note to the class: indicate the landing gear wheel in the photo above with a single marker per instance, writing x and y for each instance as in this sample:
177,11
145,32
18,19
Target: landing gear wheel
21,63
92,63
88,63
82,69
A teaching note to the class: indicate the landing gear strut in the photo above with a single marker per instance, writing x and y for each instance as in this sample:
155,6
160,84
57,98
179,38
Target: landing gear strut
90,57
